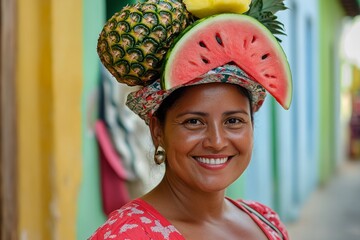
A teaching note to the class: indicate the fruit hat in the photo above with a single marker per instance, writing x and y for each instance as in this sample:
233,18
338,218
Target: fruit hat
162,45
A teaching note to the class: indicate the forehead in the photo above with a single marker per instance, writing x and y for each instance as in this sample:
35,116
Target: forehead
221,95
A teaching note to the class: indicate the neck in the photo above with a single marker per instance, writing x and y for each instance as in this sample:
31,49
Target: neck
177,201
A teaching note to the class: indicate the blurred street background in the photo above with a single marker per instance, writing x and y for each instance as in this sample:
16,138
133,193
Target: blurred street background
71,151
333,211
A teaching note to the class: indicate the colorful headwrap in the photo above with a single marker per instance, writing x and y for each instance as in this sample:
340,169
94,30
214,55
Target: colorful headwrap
147,100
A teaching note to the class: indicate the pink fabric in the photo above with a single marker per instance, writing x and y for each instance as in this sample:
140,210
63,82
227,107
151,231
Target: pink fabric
139,220
111,155
113,175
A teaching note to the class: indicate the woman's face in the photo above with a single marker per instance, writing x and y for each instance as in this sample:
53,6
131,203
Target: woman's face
208,137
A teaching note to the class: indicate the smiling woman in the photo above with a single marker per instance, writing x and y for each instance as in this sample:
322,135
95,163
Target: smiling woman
202,130
206,144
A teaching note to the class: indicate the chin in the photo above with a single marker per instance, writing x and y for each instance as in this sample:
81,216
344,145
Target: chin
214,185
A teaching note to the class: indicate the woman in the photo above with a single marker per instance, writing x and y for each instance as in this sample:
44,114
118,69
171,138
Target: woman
202,131
206,145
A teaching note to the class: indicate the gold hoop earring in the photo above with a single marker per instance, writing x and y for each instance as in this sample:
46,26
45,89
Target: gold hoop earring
159,156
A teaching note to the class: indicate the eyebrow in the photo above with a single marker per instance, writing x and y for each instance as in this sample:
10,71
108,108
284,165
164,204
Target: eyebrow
192,113
235,112
203,114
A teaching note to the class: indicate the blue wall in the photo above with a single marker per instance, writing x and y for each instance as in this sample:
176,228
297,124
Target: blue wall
301,45
284,168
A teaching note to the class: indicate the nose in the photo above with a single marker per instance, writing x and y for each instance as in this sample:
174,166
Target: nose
215,138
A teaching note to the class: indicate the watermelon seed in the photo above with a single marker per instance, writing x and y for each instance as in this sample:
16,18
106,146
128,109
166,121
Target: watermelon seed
193,63
253,39
218,39
272,86
270,76
205,60
202,44
265,56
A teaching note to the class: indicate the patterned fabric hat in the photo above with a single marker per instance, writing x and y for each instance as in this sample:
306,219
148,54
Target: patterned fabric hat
146,101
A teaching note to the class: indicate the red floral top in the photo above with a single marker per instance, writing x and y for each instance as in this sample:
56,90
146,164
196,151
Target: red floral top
139,220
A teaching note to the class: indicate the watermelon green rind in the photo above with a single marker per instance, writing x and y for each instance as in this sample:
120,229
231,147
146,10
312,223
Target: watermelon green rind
273,72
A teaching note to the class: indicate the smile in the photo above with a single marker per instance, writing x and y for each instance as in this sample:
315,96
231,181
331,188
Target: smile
212,161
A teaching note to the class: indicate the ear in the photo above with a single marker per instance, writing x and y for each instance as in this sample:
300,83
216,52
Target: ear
156,131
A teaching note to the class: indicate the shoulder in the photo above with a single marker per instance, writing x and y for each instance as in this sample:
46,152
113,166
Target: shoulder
123,223
266,212
135,220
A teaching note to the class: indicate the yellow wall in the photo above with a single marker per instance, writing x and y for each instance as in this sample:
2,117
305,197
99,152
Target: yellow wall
49,79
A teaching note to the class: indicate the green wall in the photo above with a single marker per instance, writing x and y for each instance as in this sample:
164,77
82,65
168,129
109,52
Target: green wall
236,190
329,26
90,214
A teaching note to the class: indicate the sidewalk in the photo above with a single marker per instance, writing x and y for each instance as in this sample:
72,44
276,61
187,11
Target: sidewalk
332,212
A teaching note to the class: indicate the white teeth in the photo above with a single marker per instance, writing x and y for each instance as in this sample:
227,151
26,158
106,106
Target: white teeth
212,161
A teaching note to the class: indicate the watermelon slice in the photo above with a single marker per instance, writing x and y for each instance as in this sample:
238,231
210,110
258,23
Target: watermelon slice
214,41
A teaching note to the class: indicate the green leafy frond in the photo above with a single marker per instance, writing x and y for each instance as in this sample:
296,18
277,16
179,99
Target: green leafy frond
273,6
264,11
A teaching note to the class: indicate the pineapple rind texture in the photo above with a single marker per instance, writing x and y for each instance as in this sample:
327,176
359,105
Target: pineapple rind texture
134,42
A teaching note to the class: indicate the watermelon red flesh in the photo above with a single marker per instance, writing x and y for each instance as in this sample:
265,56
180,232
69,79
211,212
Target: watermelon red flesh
225,38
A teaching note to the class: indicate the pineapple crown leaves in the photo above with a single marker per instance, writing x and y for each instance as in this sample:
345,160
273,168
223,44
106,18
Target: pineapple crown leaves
264,11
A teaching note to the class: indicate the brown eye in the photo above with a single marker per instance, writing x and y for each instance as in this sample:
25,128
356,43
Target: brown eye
233,121
193,122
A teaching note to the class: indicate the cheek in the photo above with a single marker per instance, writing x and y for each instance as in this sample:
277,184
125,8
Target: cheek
244,145
243,139
245,148
181,141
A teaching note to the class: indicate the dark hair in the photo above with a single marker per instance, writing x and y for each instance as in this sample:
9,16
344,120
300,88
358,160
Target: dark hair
169,101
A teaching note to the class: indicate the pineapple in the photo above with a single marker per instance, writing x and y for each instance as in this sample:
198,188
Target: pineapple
134,41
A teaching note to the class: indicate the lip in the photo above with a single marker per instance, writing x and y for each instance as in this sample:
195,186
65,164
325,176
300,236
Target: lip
213,162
